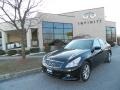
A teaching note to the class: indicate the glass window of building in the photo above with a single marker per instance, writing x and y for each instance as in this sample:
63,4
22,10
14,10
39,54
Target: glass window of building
66,25
111,34
56,30
47,24
58,25
47,30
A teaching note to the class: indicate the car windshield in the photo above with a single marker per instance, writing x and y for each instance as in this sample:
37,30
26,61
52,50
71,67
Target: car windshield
79,44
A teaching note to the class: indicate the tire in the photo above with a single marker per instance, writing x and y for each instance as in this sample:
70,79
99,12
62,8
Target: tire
85,71
108,57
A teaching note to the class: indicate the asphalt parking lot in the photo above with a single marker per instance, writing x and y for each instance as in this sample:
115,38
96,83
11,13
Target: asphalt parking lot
104,77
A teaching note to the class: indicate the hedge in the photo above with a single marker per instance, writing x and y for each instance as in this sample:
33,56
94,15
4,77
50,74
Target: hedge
26,52
111,43
2,52
34,50
11,52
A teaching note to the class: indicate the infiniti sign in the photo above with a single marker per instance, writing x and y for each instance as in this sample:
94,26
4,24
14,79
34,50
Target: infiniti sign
89,15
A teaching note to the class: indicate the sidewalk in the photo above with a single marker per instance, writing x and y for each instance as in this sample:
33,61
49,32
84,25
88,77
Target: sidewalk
12,67
31,54
10,76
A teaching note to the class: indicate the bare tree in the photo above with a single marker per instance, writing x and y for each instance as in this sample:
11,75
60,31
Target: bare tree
16,13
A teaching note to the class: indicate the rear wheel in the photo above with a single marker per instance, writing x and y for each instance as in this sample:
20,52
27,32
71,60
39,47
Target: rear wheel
85,71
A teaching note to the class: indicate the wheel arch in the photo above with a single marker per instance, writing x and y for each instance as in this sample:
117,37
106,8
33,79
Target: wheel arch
110,52
90,62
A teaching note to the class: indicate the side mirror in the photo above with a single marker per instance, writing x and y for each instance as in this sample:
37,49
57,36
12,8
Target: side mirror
97,48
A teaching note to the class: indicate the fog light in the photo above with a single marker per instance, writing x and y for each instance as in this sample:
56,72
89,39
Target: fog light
69,70
68,75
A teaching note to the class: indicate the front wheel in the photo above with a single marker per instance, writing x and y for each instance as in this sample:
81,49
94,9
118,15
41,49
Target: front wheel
85,71
108,57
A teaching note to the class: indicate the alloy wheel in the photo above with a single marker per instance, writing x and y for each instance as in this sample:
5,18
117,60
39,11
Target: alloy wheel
109,57
85,72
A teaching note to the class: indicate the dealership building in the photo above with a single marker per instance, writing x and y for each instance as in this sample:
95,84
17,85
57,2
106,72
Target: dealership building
46,27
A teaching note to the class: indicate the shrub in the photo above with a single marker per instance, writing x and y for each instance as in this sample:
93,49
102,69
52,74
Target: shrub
111,43
2,52
34,50
26,52
56,44
47,49
12,52
19,52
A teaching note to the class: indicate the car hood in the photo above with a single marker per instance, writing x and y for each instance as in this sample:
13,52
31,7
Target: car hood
65,55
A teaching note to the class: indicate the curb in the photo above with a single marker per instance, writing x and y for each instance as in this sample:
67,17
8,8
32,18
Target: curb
10,76
31,54
39,53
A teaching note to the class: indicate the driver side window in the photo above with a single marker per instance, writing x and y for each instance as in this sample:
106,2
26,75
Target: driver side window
96,44
102,43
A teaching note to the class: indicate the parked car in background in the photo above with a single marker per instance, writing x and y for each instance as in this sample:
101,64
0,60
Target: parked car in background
76,60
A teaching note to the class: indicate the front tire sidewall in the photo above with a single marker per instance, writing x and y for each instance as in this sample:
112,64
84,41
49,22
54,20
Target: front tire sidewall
82,76
108,57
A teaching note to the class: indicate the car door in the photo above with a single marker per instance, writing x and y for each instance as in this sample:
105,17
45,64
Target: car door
104,49
97,54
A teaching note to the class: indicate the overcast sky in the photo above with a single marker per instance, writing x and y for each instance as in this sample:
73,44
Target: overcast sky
112,11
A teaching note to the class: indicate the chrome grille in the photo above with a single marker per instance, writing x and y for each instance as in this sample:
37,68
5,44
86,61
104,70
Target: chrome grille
53,63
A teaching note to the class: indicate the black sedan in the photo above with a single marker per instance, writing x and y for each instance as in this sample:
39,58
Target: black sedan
76,60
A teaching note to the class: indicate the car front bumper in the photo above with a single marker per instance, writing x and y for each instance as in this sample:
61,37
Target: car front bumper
71,74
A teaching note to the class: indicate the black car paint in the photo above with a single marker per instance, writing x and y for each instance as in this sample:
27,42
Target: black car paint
64,54
93,56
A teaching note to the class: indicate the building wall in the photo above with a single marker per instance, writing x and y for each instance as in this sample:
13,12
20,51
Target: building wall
110,24
85,27
13,37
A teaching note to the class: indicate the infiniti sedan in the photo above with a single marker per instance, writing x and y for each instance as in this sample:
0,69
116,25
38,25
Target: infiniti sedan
76,60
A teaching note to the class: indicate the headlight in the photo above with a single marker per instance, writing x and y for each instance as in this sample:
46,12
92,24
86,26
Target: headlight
73,63
47,55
